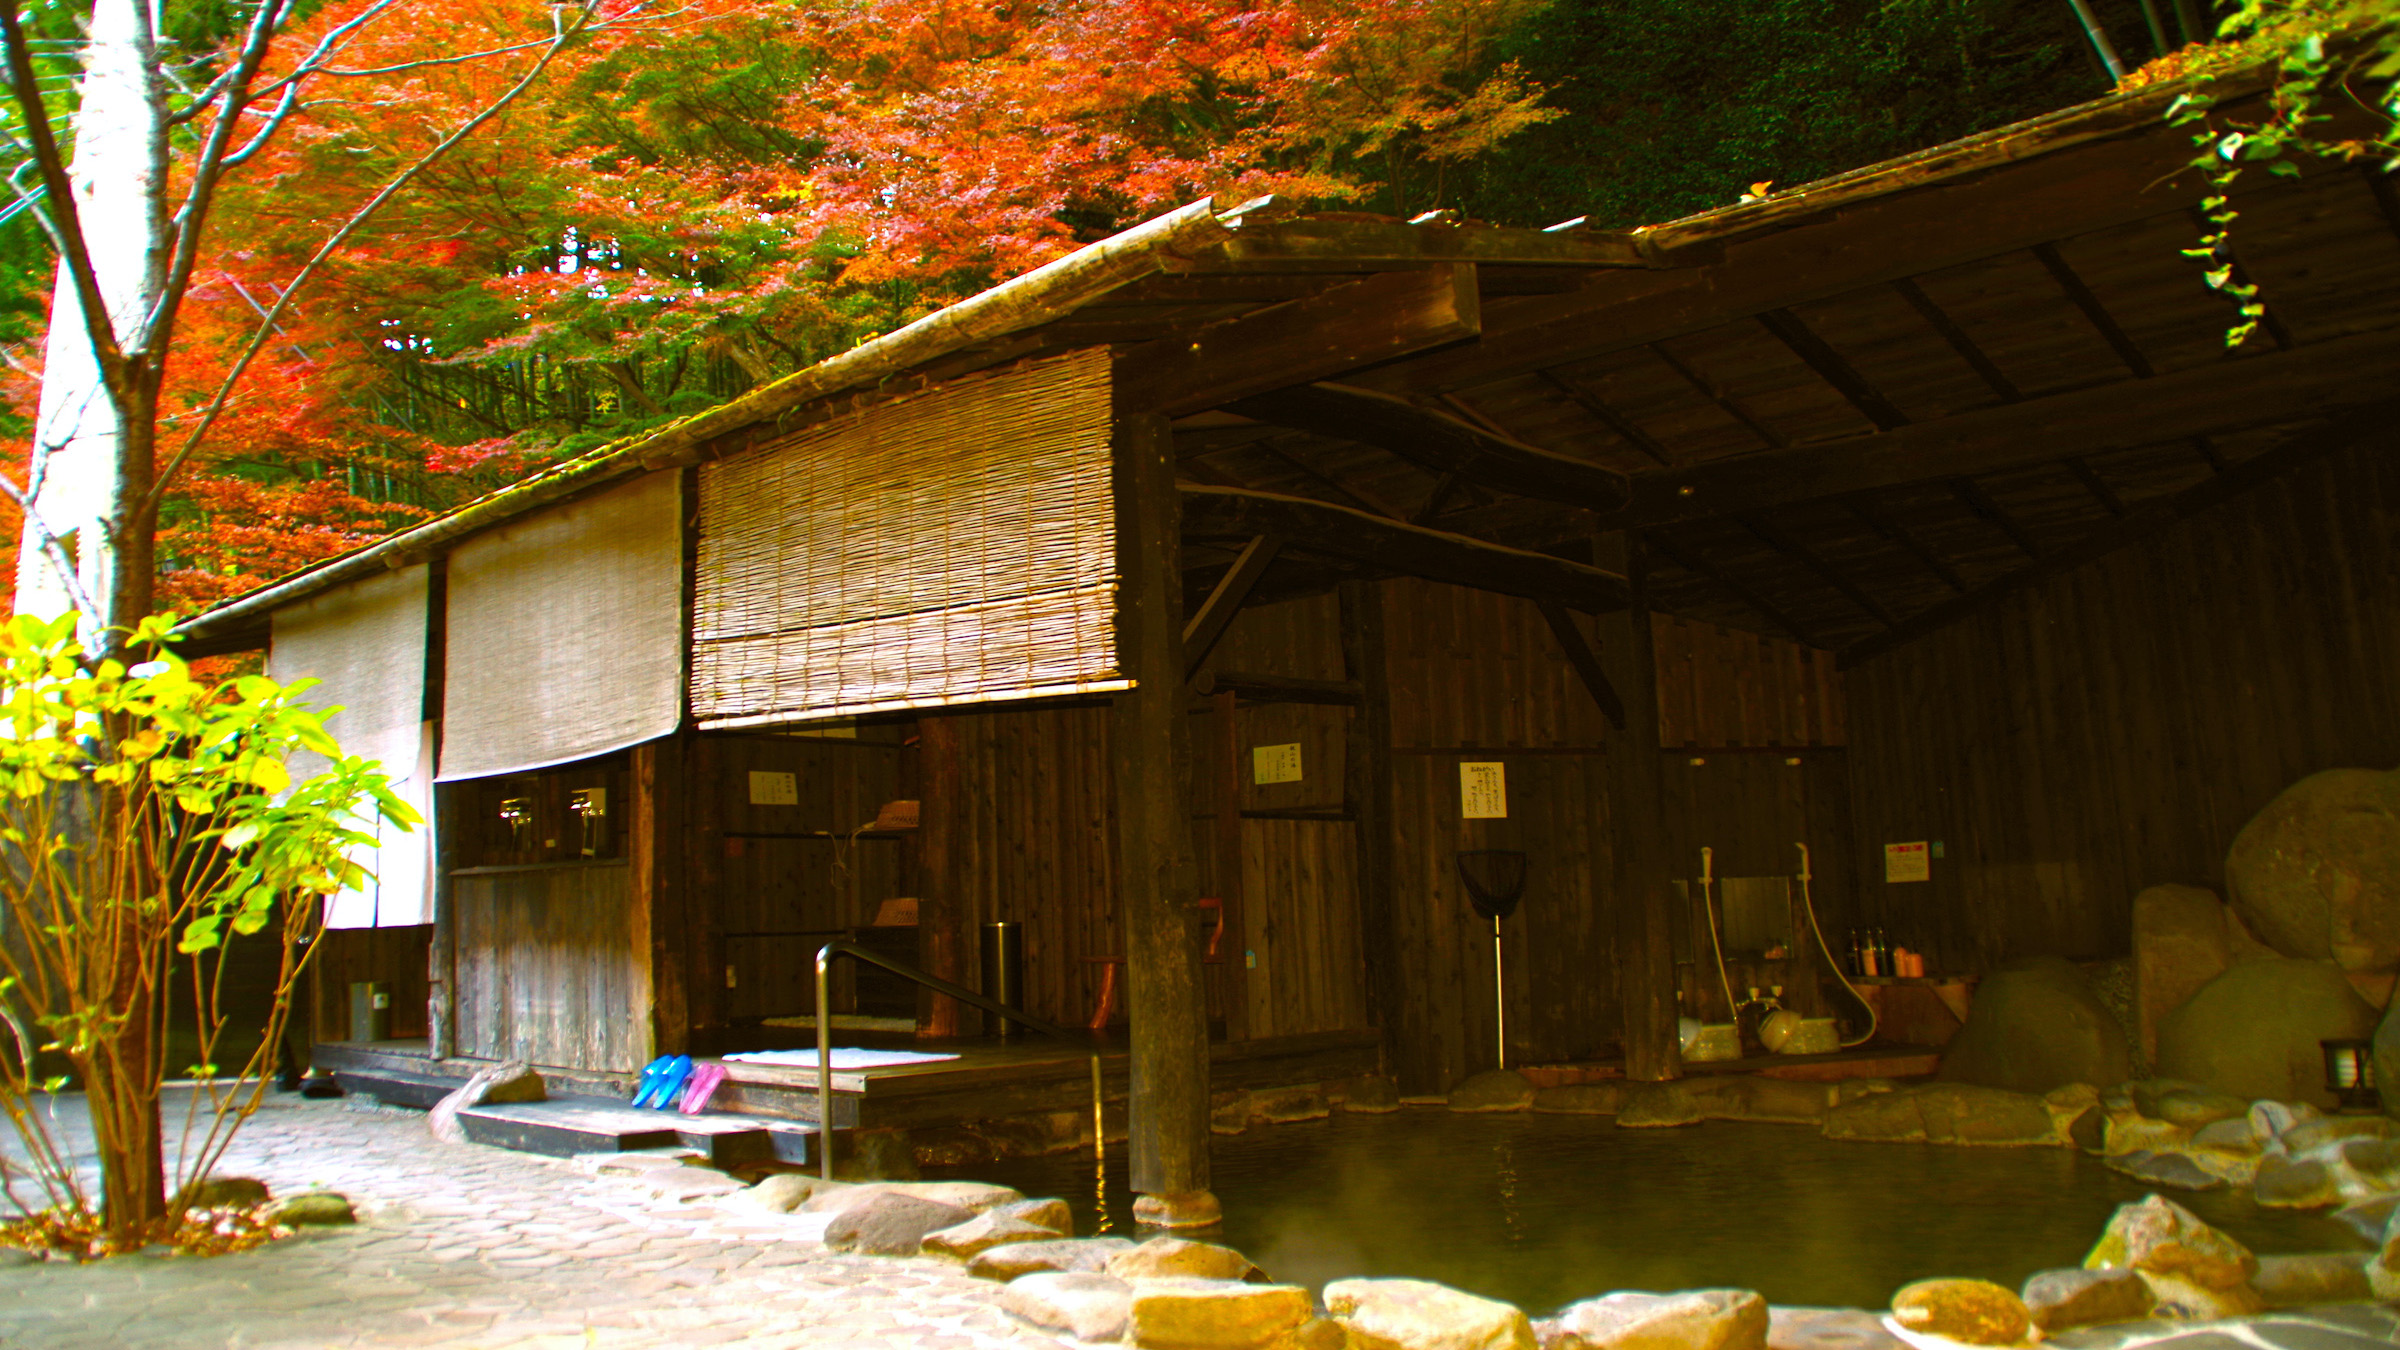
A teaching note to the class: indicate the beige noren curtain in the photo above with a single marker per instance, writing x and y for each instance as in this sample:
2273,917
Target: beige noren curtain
952,547
564,633
365,642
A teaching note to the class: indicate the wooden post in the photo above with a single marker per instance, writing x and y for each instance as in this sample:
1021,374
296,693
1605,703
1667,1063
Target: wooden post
1227,724
441,960
654,852
941,944
704,872
1367,796
1636,799
1165,1002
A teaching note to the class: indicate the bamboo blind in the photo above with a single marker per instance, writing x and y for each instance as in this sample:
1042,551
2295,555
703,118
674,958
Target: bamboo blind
365,642
955,547
564,634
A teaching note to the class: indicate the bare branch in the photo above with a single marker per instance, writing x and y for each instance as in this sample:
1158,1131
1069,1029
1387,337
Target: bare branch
566,33
284,108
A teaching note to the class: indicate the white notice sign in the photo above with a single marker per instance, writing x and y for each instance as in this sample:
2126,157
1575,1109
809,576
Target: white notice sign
1483,791
1907,862
1275,764
774,789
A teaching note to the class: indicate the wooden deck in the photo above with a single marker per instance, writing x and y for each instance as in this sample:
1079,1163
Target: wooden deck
988,1079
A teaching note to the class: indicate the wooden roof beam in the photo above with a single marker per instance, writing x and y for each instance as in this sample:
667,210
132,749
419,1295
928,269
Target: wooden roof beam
2095,484
2202,400
1833,368
1971,495
1940,321
1302,243
1624,427
2359,425
1714,393
1396,547
1438,442
1708,573
1894,532
1215,615
2095,313
1313,338
1774,537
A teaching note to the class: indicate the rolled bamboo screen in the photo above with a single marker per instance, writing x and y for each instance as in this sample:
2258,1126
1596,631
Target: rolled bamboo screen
564,633
365,642
954,547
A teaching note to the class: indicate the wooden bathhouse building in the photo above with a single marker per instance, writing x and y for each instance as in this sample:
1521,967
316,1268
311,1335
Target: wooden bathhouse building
1194,601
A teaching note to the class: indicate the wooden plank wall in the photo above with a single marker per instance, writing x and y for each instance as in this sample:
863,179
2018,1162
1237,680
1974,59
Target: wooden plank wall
2114,726
783,876
547,970
396,956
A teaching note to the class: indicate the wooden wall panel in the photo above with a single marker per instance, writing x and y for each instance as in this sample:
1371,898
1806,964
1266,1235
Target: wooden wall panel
547,968
1721,687
396,956
1300,912
2114,726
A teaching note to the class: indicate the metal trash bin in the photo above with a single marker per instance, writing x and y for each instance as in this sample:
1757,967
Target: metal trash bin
1003,975
370,1011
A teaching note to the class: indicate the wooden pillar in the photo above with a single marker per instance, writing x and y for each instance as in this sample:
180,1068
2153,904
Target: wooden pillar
1158,877
441,958
1367,796
655,851
1636,808
941,918
703,880
1226,721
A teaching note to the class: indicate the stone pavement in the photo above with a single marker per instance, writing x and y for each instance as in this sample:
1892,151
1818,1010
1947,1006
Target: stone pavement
461,1245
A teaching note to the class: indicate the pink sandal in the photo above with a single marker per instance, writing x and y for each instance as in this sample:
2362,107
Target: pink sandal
698,1088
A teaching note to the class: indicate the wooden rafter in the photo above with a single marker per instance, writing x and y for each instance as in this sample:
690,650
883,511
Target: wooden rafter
2095,484
1586,662
2094,313
1775,538
1893,531
1971,494
1624,427
1833,368
1715,393
2357,426
1765,608
1393,546
1940,321
1280,450
1438,442
2178,405
1435,500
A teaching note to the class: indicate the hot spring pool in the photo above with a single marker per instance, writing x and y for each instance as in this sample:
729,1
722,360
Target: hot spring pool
1541,1210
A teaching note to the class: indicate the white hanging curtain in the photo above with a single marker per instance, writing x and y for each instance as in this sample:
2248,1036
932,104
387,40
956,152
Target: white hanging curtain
365,642
952,547
564,633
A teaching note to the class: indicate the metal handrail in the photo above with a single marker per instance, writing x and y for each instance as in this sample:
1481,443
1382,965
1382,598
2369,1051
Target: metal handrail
937,984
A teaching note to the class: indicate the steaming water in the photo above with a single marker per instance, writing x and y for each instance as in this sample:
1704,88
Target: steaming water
1543,1210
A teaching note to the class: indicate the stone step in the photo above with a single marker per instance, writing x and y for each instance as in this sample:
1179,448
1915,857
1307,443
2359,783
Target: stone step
563,1127
397,1087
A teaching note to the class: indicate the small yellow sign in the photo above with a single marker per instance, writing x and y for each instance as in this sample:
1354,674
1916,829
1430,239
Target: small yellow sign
774,789
1907,862
1275,764
1483,791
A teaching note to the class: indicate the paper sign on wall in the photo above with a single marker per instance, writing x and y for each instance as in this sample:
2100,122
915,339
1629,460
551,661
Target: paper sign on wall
1483,791
1275,764
774,789
1907,862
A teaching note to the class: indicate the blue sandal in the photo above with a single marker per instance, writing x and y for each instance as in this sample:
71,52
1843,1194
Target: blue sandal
670,1083
651,1074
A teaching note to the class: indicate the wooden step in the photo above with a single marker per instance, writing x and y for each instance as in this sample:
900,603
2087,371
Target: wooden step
563,1127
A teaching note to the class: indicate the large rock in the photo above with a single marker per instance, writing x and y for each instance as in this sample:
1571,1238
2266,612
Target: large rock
783,1192
1581,1099
1065,1255
497,1084
2036,1025
1049,1212
1962,1113
2289,1183
2059,1299
1828,1329
1499,1090
1880,1118
226,1193
1421,1315
1786,1099
982,1233
2317,873
890,1225
1652,1106
1370,1094
1964,1312
2175,1170
2383,1269
328,1209
2387,1059
1695,1319
972,1196
2253,1031
2192,1269
1085,1306
1215,1314
2179,944
2309,1278
1164,1258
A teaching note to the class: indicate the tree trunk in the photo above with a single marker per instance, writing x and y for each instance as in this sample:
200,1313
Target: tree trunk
96,446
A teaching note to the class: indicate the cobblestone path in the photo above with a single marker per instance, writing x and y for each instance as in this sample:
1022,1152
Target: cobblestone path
461,1245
